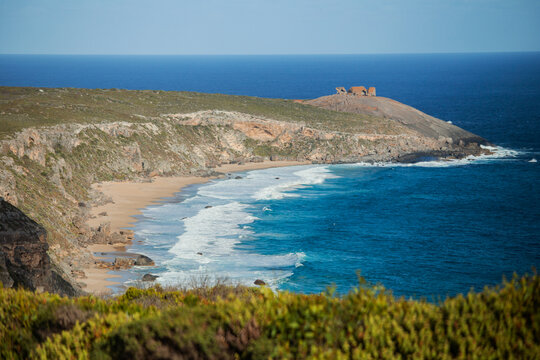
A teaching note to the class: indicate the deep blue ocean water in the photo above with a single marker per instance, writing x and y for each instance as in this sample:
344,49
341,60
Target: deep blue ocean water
432,229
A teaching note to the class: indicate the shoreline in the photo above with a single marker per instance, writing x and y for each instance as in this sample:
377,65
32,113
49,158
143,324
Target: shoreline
130,197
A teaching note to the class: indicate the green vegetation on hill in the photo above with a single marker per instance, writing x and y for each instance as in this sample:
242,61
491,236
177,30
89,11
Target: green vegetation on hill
33,107
225,322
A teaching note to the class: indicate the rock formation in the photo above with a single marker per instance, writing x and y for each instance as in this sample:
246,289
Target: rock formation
358,91
24,261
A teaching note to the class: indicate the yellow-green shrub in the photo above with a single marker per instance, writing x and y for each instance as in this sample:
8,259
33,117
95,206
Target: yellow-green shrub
231,322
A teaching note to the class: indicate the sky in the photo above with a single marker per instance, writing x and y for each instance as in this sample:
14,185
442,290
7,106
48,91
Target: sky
155,27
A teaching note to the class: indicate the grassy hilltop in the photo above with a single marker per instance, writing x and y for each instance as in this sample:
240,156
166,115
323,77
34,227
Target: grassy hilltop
225,322
37,107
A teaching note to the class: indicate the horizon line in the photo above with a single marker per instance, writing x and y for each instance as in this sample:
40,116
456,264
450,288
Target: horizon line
282,54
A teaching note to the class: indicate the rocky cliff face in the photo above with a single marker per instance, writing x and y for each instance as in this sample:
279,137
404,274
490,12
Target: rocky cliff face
24,261
47,171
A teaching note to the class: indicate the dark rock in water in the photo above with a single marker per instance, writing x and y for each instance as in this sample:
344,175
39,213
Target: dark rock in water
123,262
199,253
24,261
259,282
143,260
238,177
208,206
149,277
277,178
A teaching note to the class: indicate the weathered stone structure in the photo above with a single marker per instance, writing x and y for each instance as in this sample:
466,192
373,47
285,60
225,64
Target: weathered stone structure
357,91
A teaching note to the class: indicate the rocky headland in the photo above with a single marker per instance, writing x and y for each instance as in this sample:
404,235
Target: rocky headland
56,143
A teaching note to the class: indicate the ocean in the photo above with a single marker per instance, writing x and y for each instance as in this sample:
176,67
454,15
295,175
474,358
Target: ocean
425,230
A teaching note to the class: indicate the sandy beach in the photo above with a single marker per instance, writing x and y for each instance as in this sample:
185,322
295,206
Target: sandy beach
130,197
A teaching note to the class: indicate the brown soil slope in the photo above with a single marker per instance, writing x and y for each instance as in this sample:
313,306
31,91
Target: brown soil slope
412,118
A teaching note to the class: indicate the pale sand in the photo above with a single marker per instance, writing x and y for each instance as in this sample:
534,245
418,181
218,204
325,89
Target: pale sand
130,197
97,280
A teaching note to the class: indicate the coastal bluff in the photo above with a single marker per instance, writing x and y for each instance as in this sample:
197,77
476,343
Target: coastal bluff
394,111
55,143
24,261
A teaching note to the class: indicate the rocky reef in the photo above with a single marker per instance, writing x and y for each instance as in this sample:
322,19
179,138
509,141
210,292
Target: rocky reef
55,143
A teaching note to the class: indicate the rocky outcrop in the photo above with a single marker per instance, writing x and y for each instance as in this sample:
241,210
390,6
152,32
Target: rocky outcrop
24,261
423,125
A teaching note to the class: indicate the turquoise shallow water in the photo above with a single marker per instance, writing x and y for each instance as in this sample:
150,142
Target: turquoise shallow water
428,230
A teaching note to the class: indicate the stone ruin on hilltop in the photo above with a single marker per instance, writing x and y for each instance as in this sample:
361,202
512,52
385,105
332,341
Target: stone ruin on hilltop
357,91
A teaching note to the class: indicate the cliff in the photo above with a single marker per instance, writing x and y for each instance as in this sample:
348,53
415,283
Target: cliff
54,143
24,261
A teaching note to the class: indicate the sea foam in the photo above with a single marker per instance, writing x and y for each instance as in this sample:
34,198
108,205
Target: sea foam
497,153
310,176
216,236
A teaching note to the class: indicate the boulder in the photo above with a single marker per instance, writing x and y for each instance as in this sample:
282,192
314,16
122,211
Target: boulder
128,234
149,277
259,282
123,262
143,260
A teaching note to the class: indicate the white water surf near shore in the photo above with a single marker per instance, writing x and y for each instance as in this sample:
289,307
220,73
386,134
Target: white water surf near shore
213,227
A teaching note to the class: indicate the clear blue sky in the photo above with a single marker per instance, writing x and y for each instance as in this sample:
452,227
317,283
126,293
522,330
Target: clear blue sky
267,26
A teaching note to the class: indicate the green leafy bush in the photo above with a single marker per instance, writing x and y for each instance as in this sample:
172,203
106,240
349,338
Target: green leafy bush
225,322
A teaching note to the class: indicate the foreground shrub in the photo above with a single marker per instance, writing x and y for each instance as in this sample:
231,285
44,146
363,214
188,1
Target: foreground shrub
190,333
236,322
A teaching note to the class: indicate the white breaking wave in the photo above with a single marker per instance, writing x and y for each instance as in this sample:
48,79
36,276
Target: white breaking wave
216,235
498,153
212,231
310,176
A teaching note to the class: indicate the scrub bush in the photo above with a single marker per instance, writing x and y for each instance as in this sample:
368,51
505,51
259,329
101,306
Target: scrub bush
249,323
